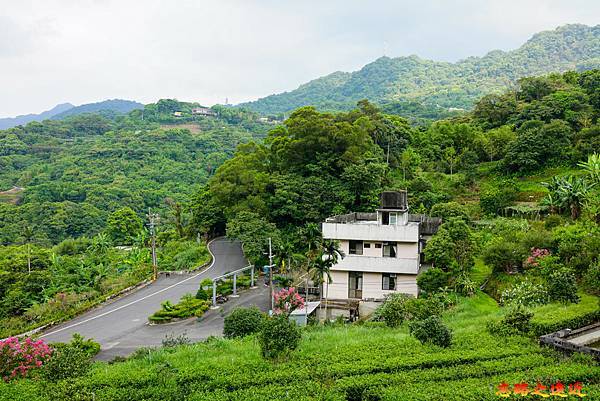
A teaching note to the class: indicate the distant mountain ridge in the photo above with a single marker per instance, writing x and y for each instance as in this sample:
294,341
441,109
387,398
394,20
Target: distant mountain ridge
10,122
64,110
118,106
443,84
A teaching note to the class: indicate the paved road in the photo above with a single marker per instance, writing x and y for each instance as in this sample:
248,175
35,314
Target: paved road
120,326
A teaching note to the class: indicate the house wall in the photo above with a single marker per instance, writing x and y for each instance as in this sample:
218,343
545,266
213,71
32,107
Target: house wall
372,285
338,289
403,249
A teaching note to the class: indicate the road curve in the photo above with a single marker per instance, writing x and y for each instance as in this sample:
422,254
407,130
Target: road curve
120,326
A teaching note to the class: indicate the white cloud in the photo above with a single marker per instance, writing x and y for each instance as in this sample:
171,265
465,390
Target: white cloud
82,51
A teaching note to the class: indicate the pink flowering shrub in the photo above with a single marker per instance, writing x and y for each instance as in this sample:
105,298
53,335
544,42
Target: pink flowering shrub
17,358
533,260
287,301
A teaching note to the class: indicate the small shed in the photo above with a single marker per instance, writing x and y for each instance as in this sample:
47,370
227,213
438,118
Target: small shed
300,316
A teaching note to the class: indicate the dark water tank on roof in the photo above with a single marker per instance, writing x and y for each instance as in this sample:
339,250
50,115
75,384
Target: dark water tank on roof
394,200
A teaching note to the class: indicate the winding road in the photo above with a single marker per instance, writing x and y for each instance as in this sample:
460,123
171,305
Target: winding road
120,325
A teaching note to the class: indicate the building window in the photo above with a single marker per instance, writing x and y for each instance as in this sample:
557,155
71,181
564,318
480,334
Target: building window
366,245
389,281
378,245
389,249
393,219
356,247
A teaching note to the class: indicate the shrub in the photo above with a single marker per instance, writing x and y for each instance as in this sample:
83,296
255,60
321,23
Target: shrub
278,337
503,256
188,306
464,285
242,322
432,280
516,321
393,310
205,291
553,220
172,340
562,286
448,210
90,347
431,330
537,254
18,358
525,293
572,322
67,361
591,279
495,199
287,301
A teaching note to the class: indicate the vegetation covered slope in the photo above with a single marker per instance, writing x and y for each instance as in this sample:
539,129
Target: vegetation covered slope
71,174
433,86
368,362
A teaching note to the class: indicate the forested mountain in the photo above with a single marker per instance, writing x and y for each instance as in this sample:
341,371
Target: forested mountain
64,177
10,122
319,164
398,83
110,107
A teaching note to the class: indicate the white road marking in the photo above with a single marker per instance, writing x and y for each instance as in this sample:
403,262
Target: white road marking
137,300
111,345
135,320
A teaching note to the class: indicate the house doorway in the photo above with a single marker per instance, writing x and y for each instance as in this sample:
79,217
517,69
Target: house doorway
355,282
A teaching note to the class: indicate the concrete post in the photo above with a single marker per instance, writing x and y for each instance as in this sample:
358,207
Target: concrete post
252,277
214,286
234,285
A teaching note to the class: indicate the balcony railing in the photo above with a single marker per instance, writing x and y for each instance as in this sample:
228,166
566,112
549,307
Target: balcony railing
371,232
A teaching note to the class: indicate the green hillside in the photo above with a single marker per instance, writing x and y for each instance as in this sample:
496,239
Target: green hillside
76,171
399,82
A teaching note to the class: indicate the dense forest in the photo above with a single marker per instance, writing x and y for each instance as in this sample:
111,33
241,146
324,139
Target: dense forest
63,178
439,87
319,164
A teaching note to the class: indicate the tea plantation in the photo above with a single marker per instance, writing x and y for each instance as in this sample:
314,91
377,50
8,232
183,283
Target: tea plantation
354,362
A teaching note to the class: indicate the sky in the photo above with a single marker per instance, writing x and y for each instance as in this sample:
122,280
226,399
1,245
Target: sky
82,51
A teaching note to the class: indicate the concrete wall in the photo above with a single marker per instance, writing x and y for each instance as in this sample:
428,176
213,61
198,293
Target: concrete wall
372,285
338,289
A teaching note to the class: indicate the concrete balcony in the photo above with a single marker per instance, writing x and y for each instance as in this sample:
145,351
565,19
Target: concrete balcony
378,264
371,231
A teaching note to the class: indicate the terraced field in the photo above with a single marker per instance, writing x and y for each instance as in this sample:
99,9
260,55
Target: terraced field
360,362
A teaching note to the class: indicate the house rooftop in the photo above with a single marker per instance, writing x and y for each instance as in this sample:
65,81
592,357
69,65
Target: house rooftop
428,225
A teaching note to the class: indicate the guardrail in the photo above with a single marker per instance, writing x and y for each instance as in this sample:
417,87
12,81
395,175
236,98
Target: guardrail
234,274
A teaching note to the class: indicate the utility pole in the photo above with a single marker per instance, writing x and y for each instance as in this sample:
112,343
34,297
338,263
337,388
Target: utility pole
271,275
153,221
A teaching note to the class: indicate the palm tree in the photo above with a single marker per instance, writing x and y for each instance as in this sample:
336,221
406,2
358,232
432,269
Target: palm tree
312,239
284,252
321,271
332,253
